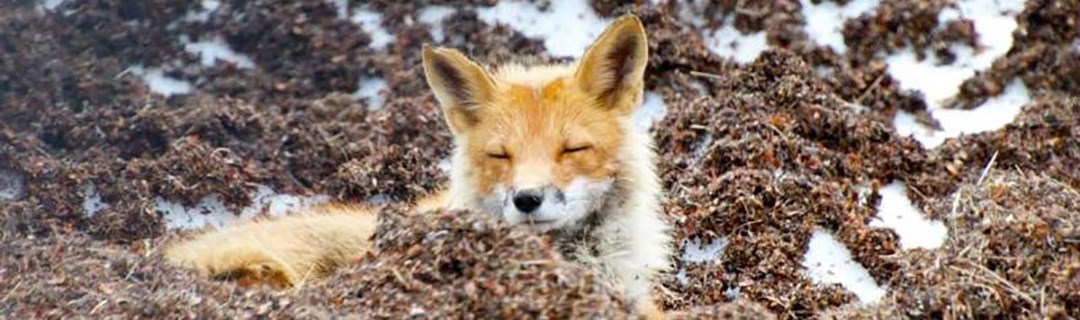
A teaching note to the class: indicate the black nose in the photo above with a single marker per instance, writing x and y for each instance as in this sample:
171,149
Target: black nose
528,200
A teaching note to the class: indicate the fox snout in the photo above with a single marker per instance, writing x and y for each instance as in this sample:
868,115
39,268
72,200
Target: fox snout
529,200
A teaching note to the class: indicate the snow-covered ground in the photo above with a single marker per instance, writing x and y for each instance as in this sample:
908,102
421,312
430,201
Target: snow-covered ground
994,21
210,51
828,261
567,27
896,212
211,211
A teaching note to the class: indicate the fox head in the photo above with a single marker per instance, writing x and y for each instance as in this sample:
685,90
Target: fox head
542,145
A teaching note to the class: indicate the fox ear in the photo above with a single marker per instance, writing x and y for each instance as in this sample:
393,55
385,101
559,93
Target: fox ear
613,68
460,85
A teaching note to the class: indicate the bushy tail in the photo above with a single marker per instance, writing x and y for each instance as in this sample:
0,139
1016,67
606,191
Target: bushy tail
282,251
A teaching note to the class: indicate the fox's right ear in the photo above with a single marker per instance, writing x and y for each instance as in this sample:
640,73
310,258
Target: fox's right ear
461,86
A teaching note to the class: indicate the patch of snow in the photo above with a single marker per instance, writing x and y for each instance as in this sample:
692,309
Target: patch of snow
92,203
342,8
733,293
371,90
694,252
652,110
825,21
827,261
725,41
51,4
371,22
702,145
445,166
682,277
994,22
12,185
378,199
993,114
863,192
729,42
211,211
209,6
896,212
159,83
567,27
434,15
210,51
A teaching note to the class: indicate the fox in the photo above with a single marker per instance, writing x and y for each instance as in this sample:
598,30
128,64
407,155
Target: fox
548,147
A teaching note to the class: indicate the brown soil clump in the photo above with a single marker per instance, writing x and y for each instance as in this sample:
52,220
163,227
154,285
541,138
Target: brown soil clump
1012,252
1045,55
462,265
436,265
768,157
1045,138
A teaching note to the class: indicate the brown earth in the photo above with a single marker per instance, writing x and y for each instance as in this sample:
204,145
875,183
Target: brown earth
759,153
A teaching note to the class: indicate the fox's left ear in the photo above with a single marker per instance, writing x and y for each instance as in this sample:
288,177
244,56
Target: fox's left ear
613,68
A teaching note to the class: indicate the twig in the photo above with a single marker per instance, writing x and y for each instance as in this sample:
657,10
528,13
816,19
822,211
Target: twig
986,170
871,88
705,75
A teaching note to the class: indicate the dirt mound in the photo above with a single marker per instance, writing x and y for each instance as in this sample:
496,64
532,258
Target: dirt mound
1012,252
765,159
436,265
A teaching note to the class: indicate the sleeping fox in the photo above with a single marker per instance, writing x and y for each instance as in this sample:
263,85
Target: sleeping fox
549,147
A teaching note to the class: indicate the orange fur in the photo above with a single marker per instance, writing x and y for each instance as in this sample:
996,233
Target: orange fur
282,251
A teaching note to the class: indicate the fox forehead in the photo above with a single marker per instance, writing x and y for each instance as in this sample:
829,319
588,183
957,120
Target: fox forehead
541,109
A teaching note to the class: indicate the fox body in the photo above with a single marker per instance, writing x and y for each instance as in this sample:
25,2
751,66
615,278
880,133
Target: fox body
551,148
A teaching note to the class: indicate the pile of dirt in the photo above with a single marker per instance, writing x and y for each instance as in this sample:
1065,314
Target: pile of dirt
763,161
436,265
1045,138
463,265
1045,55
1013,252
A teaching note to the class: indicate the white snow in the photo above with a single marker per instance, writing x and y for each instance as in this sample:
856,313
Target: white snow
825,21
725,41
209,6
371,22
51,4
729,42
342,8
434,15
159,83
993,114
445,165
567,27
211,211
92,203
210,51
12,185
694,252
372,91
896,212
827,261
994,22
651,111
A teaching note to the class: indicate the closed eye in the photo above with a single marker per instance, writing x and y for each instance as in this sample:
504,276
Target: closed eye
498,155
576,149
